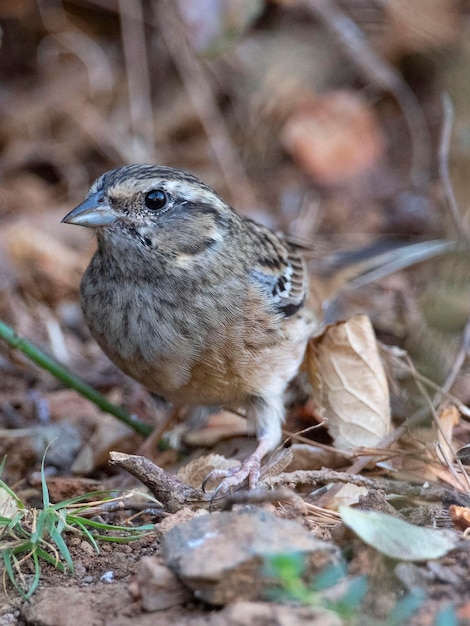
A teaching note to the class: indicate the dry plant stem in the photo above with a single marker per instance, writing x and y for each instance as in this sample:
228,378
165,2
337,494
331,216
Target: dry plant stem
197,85
174,494
363,461
325,476
441,390
148,446
465,481
375,69
257,496
297,438
138,80
113,507
101,134
460,358
49,364
444,145
167,488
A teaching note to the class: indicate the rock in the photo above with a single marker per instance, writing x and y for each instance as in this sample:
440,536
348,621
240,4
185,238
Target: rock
69,606
48,609
158,587
221,557
267,614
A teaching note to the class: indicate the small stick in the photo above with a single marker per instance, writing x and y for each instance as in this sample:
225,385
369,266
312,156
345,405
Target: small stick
66,377
324,476
138,80
166,487
444,145
199,90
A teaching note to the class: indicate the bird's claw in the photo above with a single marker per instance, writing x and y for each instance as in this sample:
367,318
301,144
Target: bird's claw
234,477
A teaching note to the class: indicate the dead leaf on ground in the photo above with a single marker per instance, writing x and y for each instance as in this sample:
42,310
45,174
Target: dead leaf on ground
351,388
449,417
334,137
398,539
460,515
194,472
35,255
109,435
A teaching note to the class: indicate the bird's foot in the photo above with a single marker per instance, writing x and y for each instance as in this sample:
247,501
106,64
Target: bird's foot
235,476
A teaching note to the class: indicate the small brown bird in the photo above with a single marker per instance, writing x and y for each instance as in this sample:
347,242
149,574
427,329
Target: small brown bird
199,304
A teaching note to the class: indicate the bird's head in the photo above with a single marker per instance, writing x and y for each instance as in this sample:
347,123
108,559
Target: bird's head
147,205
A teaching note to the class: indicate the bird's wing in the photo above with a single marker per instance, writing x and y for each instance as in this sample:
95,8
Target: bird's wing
280,271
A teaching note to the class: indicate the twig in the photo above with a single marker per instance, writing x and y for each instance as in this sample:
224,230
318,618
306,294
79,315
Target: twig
465,482
199,90
444,145
427,491
460,358
441,390
166,487
258,496
70,380
351,38
138,80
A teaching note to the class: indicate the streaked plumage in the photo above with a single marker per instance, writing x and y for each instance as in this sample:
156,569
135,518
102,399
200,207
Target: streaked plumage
199,304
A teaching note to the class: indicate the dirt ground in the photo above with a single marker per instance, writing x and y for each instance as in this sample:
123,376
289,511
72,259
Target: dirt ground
344,124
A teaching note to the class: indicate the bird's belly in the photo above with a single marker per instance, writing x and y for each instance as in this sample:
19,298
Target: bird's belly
209,380
216,376
181,354
164,353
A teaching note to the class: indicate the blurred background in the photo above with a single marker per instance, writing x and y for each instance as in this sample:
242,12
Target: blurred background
323,119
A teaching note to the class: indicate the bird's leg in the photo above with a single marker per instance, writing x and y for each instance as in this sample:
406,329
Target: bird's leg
266,417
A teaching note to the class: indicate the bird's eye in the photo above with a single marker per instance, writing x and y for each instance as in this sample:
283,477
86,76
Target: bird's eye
155,199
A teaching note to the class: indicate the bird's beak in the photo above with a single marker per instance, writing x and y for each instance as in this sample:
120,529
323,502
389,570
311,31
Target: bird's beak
92,212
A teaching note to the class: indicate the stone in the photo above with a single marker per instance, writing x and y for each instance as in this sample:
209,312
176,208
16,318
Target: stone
158,587
222,557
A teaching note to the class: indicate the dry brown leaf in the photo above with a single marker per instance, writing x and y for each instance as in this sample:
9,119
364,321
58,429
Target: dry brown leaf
47,269
216,428
460,515
110,434
449,417
309,456
335,137
194,472
348,495
351,388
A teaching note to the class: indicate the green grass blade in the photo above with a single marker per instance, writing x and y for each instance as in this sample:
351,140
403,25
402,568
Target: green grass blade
45,556
45,490
70,380
58,540
37,576
103,526
8,557
87,534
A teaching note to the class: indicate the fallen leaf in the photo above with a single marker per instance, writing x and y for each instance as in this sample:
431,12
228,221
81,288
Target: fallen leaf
347,374
8,503
460,515
35,253
449,417
398,539
334,137
194,472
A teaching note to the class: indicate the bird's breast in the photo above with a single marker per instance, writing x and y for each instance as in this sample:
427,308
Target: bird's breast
189,344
